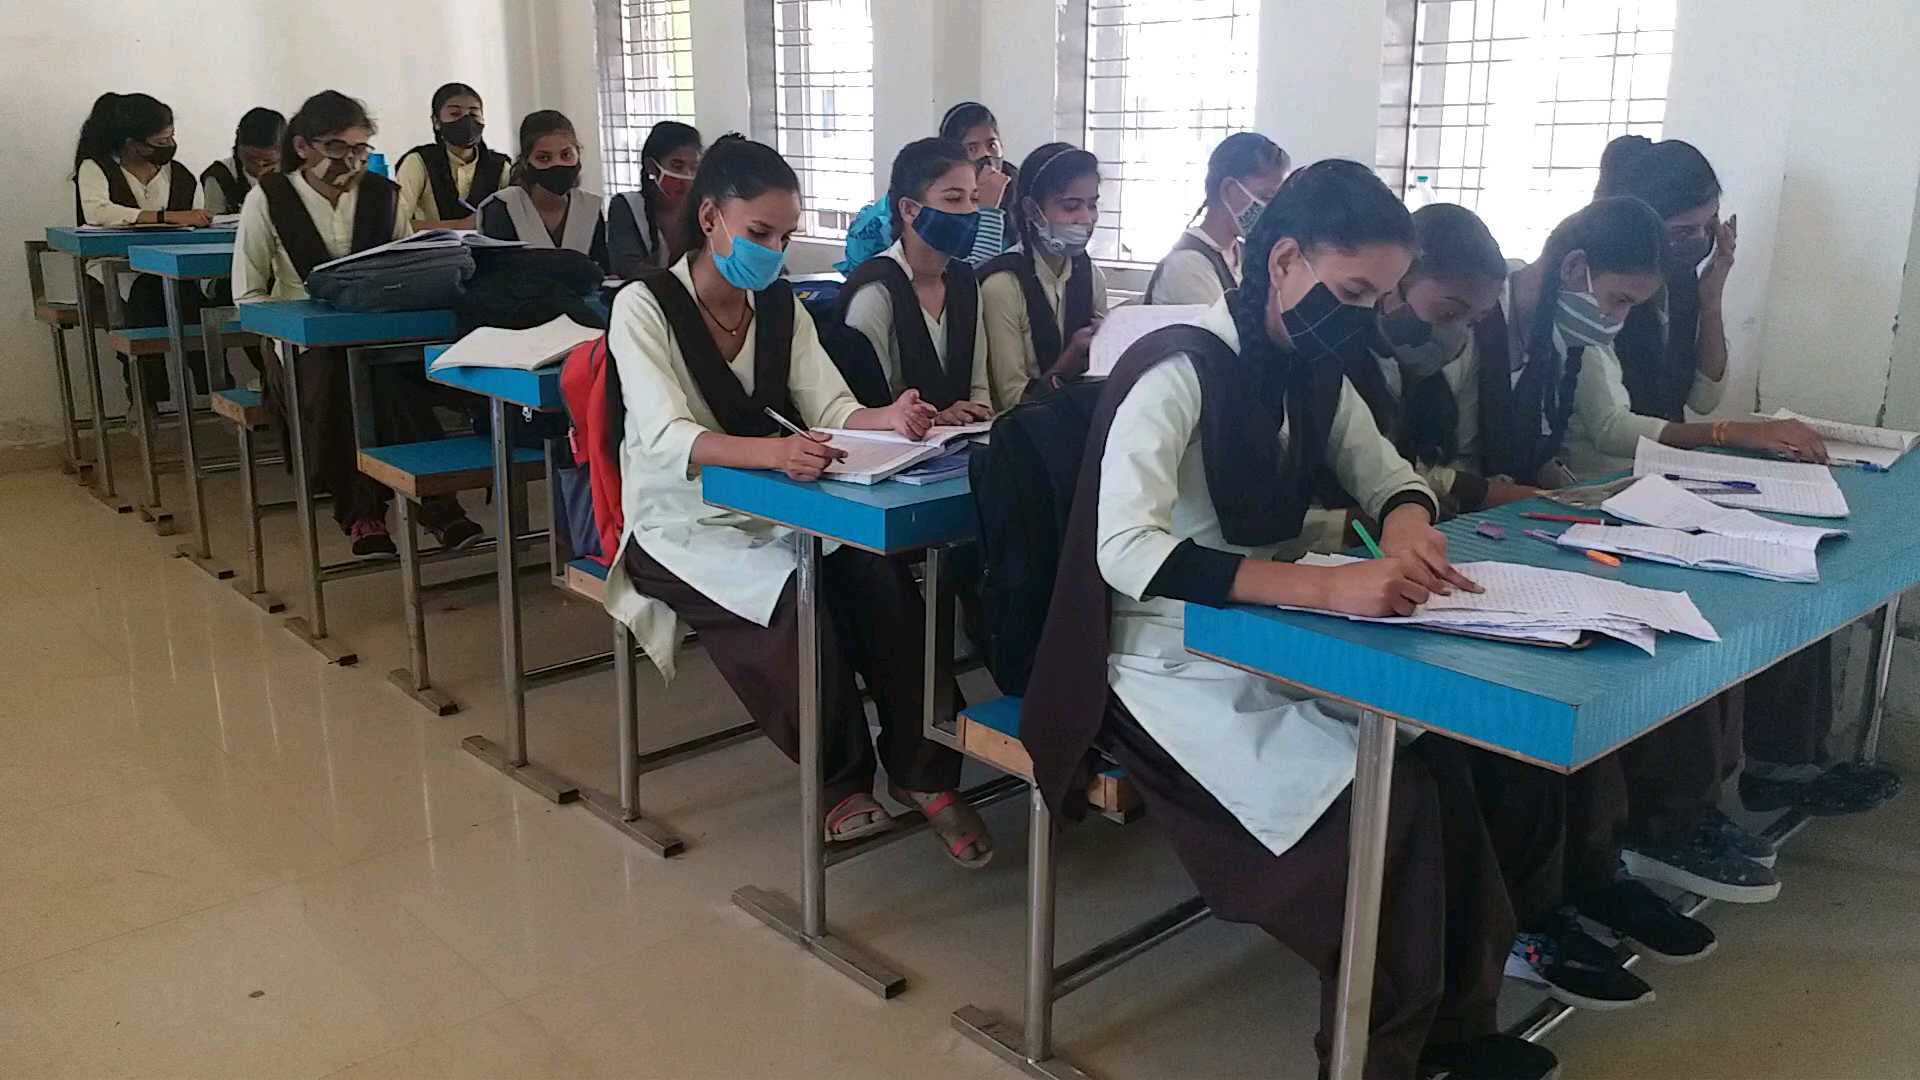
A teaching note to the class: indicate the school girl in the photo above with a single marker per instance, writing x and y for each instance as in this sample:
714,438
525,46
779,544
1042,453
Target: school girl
977,130
322,206
917,303
256,152
544,205
702,351
1243,172
1200,468
1042,300
645,228
441,182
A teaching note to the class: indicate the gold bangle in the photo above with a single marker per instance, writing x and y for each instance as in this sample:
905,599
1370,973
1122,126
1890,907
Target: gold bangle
1719,433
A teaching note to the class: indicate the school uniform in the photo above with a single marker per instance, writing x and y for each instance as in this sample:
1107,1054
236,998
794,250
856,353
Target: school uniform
1030,311
509,214
635,241
943,356
107,194
287,228
435,185
1607,426
1188,474
224,186
1197,271
729,576
1449,460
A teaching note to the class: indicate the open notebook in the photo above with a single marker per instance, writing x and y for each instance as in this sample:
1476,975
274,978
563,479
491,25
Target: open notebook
1784,487
1857,444
873,456
524,350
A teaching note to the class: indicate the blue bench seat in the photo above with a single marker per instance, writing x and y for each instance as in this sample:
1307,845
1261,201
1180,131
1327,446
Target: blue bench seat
990,732
241,406
586,577
153,340
423,470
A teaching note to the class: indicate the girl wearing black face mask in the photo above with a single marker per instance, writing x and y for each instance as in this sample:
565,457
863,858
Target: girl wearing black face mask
441,182
124,174
646,228
545,206
1200,469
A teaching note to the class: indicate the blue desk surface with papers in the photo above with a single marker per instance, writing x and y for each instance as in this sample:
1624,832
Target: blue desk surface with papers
536,389
184,260
886,518
105,243
1566,707
312,324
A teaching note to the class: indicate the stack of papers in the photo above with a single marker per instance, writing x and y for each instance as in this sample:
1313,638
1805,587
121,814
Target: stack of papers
873,456
1657,501
226,221
1857,444
427,240
1785,487
1127,324
1535,605
1701,551
955,463
523,350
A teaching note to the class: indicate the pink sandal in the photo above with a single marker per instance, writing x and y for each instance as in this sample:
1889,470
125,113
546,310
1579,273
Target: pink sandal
853,806
956,825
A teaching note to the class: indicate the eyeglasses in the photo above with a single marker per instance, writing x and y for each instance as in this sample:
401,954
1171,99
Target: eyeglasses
340,148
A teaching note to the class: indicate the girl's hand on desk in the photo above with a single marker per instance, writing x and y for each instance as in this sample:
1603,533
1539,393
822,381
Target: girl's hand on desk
802,457
1408,536
1788,438
1373,587
909,416
963,412
198,219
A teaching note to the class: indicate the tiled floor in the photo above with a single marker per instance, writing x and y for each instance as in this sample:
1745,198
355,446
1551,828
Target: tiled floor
222,857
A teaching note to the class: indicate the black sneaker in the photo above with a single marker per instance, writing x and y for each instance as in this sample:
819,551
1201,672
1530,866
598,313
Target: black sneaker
1722,829
1495,1057
1575,969
371,540
1629,911
1847,788
459,534
1703,866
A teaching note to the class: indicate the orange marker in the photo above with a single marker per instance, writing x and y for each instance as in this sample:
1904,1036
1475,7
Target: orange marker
1602,557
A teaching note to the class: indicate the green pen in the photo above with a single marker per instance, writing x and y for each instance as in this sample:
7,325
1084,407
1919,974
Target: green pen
1372,548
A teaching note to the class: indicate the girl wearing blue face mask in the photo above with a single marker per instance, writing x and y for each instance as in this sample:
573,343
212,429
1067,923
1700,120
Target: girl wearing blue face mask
1242,174
1042,301
701,351
916,304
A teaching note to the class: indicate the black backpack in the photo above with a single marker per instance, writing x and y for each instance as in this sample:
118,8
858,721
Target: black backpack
1023,481
520,288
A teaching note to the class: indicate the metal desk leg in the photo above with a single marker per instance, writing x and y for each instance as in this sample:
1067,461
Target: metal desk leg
1366,872
256,586
936,691
623,812
807,926
415,680
200,550
63,375
140,411
1884,636
103,488
311,628
510,513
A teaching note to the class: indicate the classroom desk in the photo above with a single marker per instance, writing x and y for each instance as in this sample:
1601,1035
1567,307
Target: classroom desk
172,264
297,326
889,518
1558,708
110,247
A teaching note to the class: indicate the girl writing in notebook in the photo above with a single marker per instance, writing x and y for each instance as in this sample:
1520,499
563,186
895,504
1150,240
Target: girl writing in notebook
916,303
1042,301
544,206
1200,468
1242,174
441,182
644,228
702,352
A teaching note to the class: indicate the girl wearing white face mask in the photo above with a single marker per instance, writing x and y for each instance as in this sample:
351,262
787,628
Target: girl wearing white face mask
1242,174
1042,301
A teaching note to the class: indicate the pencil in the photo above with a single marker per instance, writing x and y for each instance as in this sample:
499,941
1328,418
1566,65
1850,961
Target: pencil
785,423
1570,519
1372,548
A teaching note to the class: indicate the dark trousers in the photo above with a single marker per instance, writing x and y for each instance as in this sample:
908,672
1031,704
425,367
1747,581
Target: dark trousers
147,306
403,412
873,624
1790,708
1446,921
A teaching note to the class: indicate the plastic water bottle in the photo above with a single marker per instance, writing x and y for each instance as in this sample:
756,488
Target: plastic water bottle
377,164
1421,193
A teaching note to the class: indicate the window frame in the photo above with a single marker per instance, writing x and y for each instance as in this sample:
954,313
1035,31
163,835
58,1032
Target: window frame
623,130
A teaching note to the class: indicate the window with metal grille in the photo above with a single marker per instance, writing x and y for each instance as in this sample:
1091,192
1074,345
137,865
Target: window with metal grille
1166,81
1511,102
823,106
646,76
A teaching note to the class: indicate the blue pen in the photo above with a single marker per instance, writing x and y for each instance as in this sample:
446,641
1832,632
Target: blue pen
1731,485
1869,466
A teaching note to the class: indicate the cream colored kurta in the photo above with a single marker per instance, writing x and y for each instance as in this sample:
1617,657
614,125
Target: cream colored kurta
98,208
1003,309
740,563
1187,277
416,188
576,234
1462,374
213,197
871,313
1604,430
262,270
1274,758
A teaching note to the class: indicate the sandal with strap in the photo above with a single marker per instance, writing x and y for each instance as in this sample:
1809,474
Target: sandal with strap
956,825
856,817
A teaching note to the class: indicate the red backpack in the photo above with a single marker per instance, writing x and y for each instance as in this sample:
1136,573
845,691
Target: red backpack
591,389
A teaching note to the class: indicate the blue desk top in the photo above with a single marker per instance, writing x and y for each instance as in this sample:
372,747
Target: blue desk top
183,260
312,324
95,245
537,389
1562,707
885,518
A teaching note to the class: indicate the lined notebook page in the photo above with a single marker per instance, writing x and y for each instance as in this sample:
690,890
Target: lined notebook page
1786,487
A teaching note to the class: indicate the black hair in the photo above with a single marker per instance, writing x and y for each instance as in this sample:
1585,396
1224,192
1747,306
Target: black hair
448,92
915,167
536,126
1241,154
1452,242
1672,176
1045,173
1335,204
261,127
325,112
735,167
966,116
114,120
663,139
